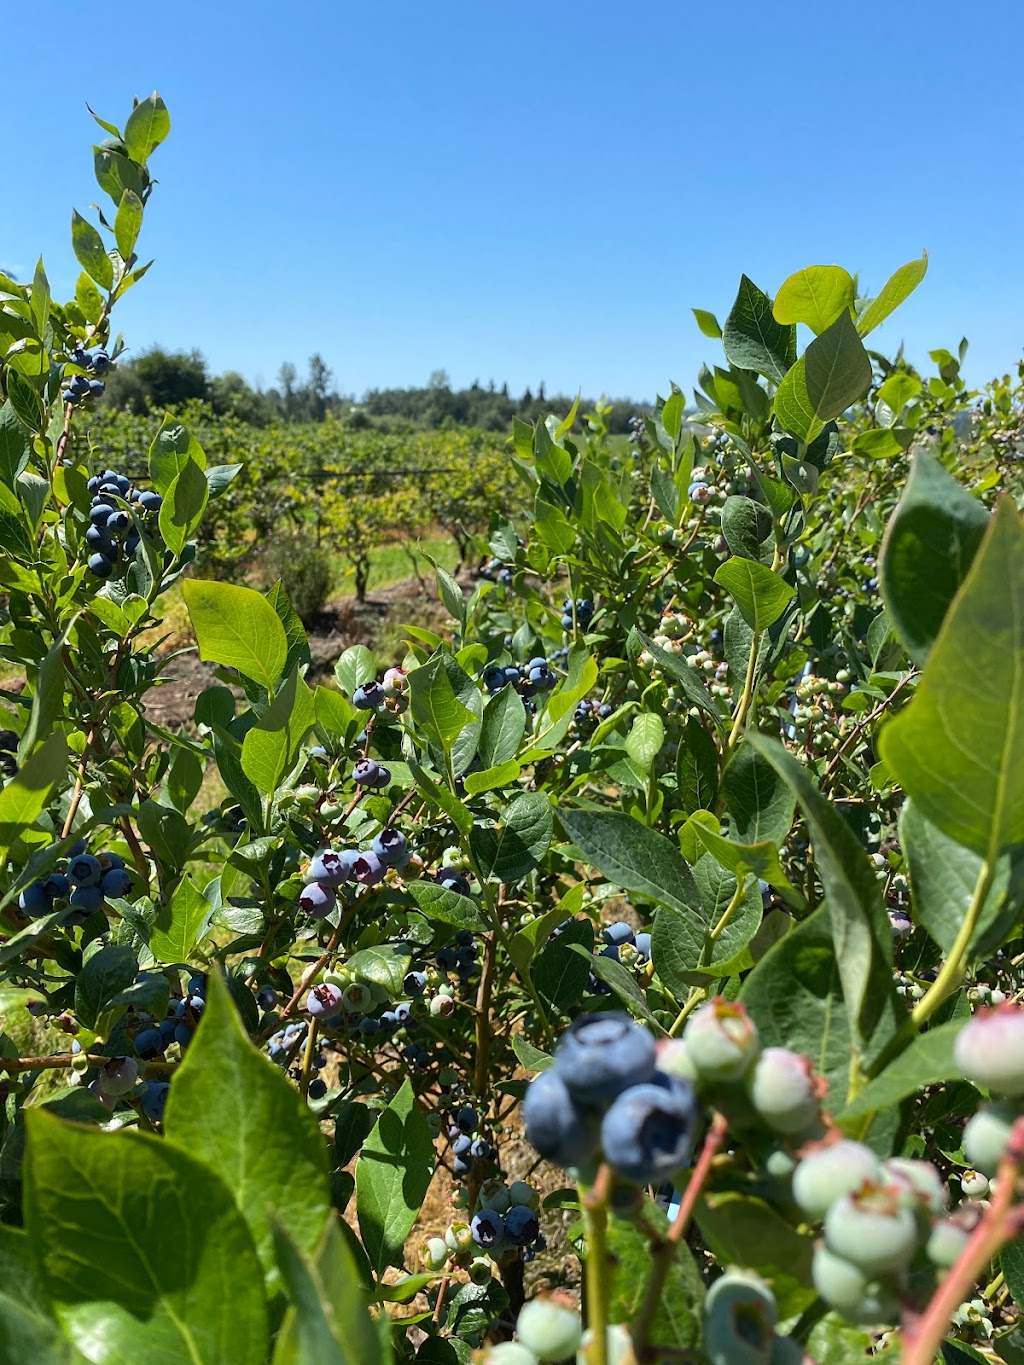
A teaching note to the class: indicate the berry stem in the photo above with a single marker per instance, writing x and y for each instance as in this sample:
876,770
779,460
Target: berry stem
953,968
1000,1224
664,1250
595,1213
307,1057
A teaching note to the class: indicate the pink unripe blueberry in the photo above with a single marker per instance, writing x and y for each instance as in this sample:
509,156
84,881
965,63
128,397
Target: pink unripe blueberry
324,1001
989,1049
784,1090
872,1229
829,1172
721,1040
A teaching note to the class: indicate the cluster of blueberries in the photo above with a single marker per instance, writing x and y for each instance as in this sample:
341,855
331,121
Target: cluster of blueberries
85,883
584,613
590,712
178,1026
527,679
285,1048
331,869
467,1145
621,943
81,386
505,1227
389,694
496,571
112,529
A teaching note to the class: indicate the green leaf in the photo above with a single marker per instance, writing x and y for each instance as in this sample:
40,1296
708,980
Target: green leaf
40,300
957,748
929,545
644,741
103,976
89,249
620,981
437,902
127,223
172,449
166,831
759,800
696,693
707,322
47,698
815,296
150,1207
742,1230
256,1132
943,875
386,965
27,794
633,856
676,1321
833,373
760,594
334,712
148,124
504,724
501,775
898,287
559,974
13,445
927,1061
28,1330
328,1322
860,926
717,886
179,925
450,593
238,627
355,667
183,505
508,852
434,706
271,747
747,527
696,767
898,390
794,995
581,675
753,340
393,1173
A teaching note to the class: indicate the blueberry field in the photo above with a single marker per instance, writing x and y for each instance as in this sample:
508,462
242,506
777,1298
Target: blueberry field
619,960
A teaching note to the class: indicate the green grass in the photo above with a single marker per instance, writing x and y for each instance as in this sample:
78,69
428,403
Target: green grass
391,563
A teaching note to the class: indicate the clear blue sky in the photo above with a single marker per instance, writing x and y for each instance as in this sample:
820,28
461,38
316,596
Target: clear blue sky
527,191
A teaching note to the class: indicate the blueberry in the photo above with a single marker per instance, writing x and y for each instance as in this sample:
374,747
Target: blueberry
368,773
462,1144
989,1049
464,938
117,882
368,697
87,899
461,1166
740,1314
166,1031
783,1090
721,1040
467,1119
99,565
118,522
453,880
97,539
946,1242
986,1136
415,983
923,1188
494,677
481,1150
317,1089
79,386
618,933
391,847
554,1124
154,1099
550,1327
35,899
92,484
647,1133
96,388
368,1026
85,870
604,711
149,1043
332,868
316,900
100,362
389,1021
324,1002
447,958
829,1172
368,870
76,848
599,1055
511,674
150,501
99,514
57,886
521,1225
488,1228
132,541
642,944
183,1035
567,622
871,1229
845,1287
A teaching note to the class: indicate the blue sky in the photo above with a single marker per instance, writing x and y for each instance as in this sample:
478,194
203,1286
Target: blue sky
528,191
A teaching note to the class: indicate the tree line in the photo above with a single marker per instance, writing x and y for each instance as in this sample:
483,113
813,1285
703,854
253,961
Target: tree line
157,379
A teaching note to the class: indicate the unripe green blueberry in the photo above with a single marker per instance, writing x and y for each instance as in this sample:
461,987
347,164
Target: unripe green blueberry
872,1229
829,1172
550,1327
721,1040
924,1189
986,1134
459,1237
506,1353
783,1090
494,1194
480,1269
356,997
846,1288
674,1059
307,796
989,1049
974,1185
520,1192
780,1164
435,1253
740,1314
945,1243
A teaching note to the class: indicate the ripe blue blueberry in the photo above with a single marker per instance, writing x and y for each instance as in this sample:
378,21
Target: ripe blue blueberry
85,870
150,501
87,899
154,1099
99,565
98,539
481,1150
368,1026
403,1013
317,1088
488,1228
453,880
368,697
617,934
316,900
367,772
554,1125
391,847
100,362
149,1043
183,1034
332,867
647,1134
34,900
599,1055
462,1144
494,677
99,513
521,1225
415,983
57,886
96,388
467,1119
368,869
642,944
118,522
117,882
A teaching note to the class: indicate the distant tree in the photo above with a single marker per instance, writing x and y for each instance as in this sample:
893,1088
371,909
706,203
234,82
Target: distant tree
159,379
439,380
287,377
320,378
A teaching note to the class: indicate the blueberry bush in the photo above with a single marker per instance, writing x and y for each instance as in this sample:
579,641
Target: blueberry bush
660,917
